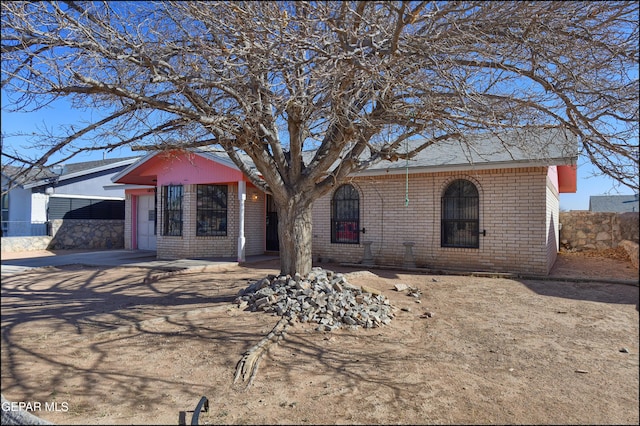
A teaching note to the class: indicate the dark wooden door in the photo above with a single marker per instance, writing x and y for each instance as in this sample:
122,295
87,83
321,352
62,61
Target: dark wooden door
272,243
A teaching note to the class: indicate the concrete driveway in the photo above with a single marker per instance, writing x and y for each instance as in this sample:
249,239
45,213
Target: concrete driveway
11,264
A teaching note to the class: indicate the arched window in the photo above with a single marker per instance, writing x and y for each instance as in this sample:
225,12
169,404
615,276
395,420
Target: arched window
345,216
460,222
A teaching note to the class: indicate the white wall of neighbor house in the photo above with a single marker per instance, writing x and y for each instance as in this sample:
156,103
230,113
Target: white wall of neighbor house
514,210
16,217
553,219
91,185
39,204
19,205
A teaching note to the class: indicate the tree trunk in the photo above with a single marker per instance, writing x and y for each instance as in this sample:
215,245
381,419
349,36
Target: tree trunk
295,235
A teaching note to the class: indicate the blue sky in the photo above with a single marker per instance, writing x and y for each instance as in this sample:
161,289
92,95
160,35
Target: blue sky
588,185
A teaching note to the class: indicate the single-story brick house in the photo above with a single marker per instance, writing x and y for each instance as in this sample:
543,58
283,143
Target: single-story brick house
482,205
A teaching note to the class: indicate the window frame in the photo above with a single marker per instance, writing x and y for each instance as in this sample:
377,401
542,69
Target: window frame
208,211
460,216
172,215
345,228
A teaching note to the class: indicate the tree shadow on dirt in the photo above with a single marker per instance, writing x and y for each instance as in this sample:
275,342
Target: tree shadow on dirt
351,362
64,331
67,334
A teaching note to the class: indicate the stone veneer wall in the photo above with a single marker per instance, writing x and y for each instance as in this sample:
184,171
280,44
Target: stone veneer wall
632,249
87,234
585,230
72,234
629,225
16,244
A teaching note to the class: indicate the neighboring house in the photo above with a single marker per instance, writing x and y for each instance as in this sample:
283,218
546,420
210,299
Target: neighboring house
488,207
17,217
613,203
75,191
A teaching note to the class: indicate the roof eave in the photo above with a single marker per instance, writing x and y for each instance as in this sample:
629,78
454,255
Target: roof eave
398,169
226,162
133,166
43,182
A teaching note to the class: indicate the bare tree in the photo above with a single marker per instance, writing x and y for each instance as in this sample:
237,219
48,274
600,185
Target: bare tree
349,81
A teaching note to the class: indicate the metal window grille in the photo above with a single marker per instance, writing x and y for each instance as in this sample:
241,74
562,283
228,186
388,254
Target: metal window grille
345,220
153,214
460,224
172,210
211,210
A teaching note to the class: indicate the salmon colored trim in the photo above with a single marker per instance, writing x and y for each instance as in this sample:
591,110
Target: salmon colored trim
134,222
567,179
140,191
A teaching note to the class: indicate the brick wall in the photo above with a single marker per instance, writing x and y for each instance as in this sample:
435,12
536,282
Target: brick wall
254,222
189,245
517,210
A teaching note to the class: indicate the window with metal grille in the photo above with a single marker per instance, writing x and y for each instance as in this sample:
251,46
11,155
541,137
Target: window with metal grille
460,215
172,210
211,210
345,216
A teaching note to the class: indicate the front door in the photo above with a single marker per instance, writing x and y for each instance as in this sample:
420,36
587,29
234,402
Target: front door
146,222
272,243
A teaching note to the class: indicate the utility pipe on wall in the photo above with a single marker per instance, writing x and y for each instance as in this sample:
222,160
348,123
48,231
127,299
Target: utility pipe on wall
242,196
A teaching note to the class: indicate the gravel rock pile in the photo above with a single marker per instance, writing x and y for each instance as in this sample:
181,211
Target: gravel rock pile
322,296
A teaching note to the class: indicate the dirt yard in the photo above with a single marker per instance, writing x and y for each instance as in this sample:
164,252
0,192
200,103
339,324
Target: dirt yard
120,346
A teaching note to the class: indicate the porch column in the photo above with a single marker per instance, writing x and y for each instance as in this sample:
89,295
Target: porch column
242,196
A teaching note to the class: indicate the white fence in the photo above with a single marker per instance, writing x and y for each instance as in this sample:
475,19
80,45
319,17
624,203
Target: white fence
24,229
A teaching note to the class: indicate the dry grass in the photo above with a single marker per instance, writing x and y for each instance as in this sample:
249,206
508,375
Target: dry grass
617,253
